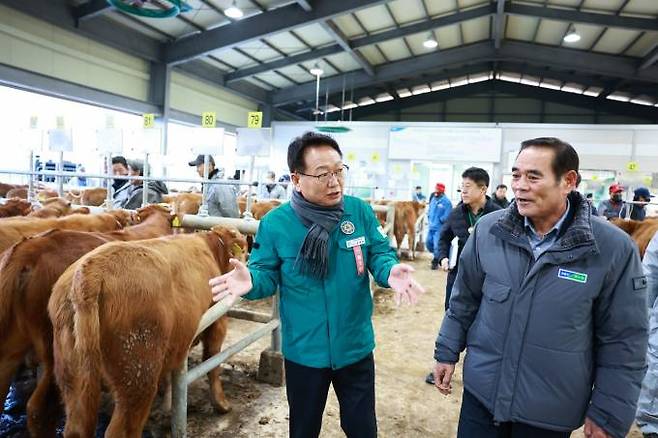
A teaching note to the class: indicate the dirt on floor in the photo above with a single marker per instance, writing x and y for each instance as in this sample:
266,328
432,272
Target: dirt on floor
406,405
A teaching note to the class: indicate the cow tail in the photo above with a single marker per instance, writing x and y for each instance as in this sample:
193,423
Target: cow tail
86,290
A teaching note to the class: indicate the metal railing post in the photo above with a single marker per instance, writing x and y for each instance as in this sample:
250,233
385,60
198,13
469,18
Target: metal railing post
179,401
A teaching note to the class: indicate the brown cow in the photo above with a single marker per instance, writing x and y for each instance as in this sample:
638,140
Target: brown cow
640,231
406,214
53,207
93,196
5,188
261,208
15,207
28,271
12,230
125,315
21,192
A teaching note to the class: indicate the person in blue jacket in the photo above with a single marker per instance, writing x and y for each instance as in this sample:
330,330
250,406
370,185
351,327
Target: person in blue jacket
438,212
318,249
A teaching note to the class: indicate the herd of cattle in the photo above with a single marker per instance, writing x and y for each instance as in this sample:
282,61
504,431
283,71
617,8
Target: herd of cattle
113,300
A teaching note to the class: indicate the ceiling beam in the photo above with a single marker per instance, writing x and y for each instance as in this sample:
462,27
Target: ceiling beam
305,5
521,90
499,21
91,9
283,62
207,73
448,59
365,41
650,59
344,43
258,26
575,16
622,67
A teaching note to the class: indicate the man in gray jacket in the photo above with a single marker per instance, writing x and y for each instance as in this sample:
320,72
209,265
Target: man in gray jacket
222,199
551,304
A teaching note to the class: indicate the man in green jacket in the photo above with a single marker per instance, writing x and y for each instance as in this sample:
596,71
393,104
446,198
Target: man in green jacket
317,250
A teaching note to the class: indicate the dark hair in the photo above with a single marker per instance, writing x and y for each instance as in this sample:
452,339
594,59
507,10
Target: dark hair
309,139
565,156
478,175
501,186
120,160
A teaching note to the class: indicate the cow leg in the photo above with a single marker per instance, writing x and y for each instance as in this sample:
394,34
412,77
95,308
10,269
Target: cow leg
213,338
43,407
9,363
131,411
411,238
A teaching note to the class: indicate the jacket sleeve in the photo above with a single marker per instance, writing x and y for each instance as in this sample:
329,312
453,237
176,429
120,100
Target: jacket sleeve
602,208
134,200
650,266
446,211
464,304
381,257
264,264
447,234
620,344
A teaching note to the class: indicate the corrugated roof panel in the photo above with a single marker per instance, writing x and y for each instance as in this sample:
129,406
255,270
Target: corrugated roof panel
463,4
375,18
234,58
343,61
476,30
551,32
348,25
204,15
258,83
121,18
643,7
287,43
314,35
441,7
260,51
299,74
267,4
407,11
521,28
615,40
448,36
215,64
603,5
571,3
372,55
644,45
394,49
272,78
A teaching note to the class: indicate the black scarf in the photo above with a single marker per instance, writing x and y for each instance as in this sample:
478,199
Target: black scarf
312,258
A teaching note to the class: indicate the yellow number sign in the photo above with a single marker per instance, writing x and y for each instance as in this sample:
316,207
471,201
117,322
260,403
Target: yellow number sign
375,157
632,166
351,157
149,120
255,119
209,119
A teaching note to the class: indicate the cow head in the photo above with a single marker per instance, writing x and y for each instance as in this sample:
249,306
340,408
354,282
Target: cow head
155,209
230,243
124,217
20,206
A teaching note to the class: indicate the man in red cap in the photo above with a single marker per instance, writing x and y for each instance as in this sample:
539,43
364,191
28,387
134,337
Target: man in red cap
611,208
439,209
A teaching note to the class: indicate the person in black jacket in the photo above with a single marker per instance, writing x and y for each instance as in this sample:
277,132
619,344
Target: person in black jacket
475,204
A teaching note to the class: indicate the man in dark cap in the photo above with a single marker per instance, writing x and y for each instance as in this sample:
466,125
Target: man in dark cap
221,199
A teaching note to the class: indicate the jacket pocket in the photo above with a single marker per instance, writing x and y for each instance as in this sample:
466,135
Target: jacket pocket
495,305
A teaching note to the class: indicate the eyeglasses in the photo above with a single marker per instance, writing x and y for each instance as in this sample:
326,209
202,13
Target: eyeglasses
325,177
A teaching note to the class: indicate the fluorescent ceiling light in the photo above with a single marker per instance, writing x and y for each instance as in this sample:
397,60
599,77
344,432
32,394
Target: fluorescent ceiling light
530,80
619,96
478,78
509,77
571,87
384,97
233,11
551,84
316,70
440,85
349,105
572,36
593,91
403,92
458,82
365,101
420,89
642,101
